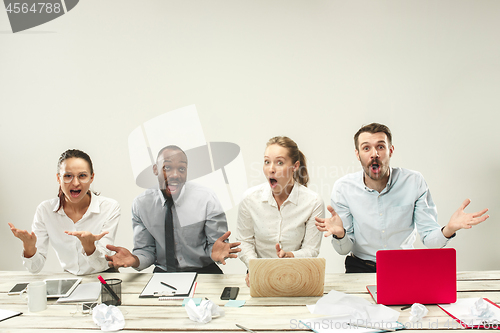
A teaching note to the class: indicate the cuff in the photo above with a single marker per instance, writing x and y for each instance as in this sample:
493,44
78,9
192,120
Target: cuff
333,235
447,238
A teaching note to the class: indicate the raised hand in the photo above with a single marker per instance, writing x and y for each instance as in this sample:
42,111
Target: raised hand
222,250
281,253
28,239
122,257
87,239
462,220
332,225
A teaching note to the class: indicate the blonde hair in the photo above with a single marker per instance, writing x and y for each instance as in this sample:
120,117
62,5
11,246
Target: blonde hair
300,176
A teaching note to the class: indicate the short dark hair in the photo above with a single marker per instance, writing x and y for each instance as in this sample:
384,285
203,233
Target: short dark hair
373,128
171,147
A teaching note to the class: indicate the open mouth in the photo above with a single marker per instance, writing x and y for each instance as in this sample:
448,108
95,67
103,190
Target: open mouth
375,167
273,182
173,187
75,193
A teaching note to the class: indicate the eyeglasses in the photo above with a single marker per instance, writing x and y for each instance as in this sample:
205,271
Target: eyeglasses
82,178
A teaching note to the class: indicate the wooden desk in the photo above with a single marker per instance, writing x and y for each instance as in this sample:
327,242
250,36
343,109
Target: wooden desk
259,314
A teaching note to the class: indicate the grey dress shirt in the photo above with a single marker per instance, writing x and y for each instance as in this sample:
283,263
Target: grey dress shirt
199,221
388,220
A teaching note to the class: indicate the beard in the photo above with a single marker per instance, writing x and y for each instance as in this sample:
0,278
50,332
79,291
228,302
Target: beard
376,170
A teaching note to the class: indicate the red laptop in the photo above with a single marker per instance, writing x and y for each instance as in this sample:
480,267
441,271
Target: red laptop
426,276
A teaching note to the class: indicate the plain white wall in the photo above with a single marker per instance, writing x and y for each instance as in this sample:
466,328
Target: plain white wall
313,70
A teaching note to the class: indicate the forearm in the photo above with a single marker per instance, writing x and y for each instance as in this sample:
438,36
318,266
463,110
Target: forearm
435,239
342,246
448,232
247,252
29,250
35,263
142,260
312,241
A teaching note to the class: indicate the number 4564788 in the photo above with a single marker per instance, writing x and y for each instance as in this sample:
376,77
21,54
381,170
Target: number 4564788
40,7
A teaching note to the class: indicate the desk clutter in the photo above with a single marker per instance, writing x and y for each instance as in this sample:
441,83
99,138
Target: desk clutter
346,305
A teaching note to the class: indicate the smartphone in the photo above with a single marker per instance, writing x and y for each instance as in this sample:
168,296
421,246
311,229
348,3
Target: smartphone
16,290
229,293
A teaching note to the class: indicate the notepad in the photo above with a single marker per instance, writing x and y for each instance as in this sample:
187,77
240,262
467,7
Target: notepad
6,314
461,312
183,283
86,292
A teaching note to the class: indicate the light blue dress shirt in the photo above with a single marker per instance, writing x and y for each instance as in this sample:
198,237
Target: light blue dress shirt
199,221
377,221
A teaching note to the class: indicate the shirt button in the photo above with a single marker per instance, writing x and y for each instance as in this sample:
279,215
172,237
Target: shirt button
383,231
380,214
385,246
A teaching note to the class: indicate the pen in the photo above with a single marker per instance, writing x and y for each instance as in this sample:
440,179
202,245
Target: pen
406,307
108,288
366,326
246,329
166,284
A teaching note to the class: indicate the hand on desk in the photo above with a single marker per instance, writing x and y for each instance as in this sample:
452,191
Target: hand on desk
222,250
462,220
281,253
122,257
29,240
87,239
332,225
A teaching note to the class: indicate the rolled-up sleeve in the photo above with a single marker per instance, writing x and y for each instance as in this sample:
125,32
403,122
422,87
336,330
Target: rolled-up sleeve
344,245
97,260
312,238
425,219
215,224
245,234
144,243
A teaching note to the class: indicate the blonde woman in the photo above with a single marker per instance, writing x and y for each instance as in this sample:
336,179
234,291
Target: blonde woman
277,218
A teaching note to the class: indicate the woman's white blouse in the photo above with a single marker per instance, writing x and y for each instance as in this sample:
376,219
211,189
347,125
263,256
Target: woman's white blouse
261,225
49,225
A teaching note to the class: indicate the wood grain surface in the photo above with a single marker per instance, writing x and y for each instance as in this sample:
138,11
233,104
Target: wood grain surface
287,277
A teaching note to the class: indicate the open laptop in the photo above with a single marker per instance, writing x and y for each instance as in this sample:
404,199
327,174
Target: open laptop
426,276
283,277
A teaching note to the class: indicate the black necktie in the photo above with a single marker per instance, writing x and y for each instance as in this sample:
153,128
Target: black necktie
169,238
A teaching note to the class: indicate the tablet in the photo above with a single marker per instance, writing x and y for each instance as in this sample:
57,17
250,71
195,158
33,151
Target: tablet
61,287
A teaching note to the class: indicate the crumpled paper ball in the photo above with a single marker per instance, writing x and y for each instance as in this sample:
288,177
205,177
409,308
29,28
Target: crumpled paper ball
417,312
204,312
480,309
109,318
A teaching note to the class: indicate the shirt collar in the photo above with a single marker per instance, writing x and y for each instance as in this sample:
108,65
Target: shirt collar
178,201
267,195
387,186
94,206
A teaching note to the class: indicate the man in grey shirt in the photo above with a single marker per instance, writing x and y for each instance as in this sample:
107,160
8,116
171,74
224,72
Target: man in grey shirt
193,239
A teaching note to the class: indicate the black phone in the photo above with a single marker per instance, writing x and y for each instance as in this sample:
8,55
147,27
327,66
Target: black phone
229,293
17,289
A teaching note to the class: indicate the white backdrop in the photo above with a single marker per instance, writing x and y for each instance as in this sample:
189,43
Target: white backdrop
313,70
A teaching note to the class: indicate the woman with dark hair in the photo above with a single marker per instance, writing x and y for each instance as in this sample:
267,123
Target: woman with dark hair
78,223
276,219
